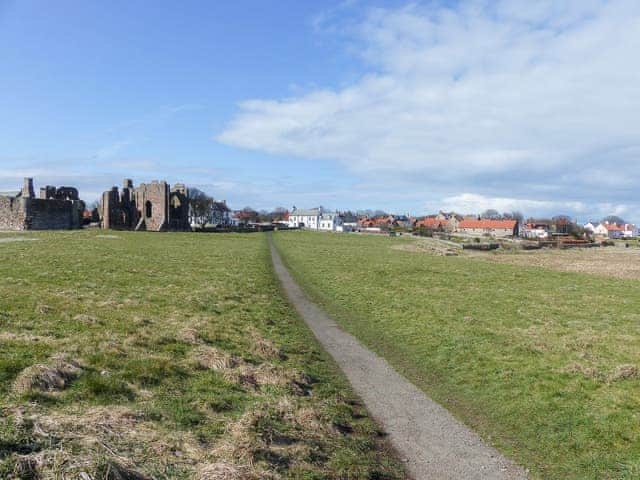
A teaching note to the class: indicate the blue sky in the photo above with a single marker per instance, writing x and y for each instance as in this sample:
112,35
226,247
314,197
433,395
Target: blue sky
408,107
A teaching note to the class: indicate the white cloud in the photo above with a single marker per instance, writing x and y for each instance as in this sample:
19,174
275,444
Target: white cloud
486,96
474,203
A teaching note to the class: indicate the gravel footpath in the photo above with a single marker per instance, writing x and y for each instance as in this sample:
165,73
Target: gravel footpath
429,439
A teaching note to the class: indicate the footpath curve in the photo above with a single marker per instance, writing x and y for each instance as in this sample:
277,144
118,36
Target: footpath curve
431,442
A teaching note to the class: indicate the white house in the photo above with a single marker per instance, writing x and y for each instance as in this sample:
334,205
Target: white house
600,230
331,222
535,230
309,218
315,219
629,231
611,230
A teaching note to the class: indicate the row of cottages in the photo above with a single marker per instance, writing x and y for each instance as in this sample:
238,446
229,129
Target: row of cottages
315,219
444,222
387,221
487,227
611,230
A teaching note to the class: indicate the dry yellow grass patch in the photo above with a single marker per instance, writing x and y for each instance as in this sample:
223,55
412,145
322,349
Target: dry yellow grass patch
265,348
230,471
52,376
211,358
189,335
578,368
24,337
611,261
625,372
106,443
86,319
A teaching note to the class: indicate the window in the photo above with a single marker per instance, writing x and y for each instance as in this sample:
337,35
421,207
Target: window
148,209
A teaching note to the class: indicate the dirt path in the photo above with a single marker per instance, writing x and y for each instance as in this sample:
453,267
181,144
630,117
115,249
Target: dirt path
433,443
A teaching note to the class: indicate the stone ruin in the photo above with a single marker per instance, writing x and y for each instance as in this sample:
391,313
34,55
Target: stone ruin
153,207
56,208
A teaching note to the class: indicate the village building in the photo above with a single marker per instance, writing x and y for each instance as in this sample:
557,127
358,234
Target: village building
590,227
601,231
611,230
493,228
535,230
452,220
433,223
330,222
305,218
315,219
154,207
629,231
281,218
381,222
56,208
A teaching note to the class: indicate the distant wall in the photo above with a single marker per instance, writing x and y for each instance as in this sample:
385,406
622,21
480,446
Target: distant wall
12,214
51,214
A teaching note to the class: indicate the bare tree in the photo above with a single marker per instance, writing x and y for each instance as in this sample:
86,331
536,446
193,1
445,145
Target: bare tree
491,214
515,215
614,219
95,205
200,206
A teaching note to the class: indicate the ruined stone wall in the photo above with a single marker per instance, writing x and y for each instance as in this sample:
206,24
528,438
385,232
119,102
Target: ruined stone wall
56,209
51,214
153,203
18,214
179,208
152,206
12,214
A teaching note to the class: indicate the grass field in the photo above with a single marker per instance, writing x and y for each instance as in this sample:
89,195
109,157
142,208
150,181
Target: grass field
170,355
543,364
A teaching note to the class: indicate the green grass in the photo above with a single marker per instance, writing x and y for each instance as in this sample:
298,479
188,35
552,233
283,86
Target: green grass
132,310
526,356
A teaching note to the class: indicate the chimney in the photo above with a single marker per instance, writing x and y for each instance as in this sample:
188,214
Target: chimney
27,188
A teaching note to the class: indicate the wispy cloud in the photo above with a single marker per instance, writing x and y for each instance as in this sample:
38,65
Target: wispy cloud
484,97
474,203
112,149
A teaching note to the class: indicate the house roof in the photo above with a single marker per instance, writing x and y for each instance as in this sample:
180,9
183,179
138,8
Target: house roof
507,224
309,212
612,227
244,214
431,222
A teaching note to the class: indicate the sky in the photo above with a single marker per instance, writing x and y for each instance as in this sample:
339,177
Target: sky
408,107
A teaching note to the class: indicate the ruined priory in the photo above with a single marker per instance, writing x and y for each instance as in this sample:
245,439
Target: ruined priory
154,206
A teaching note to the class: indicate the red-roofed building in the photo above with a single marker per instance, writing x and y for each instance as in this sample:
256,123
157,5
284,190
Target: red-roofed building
494,228
613,231
537,230
433,223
